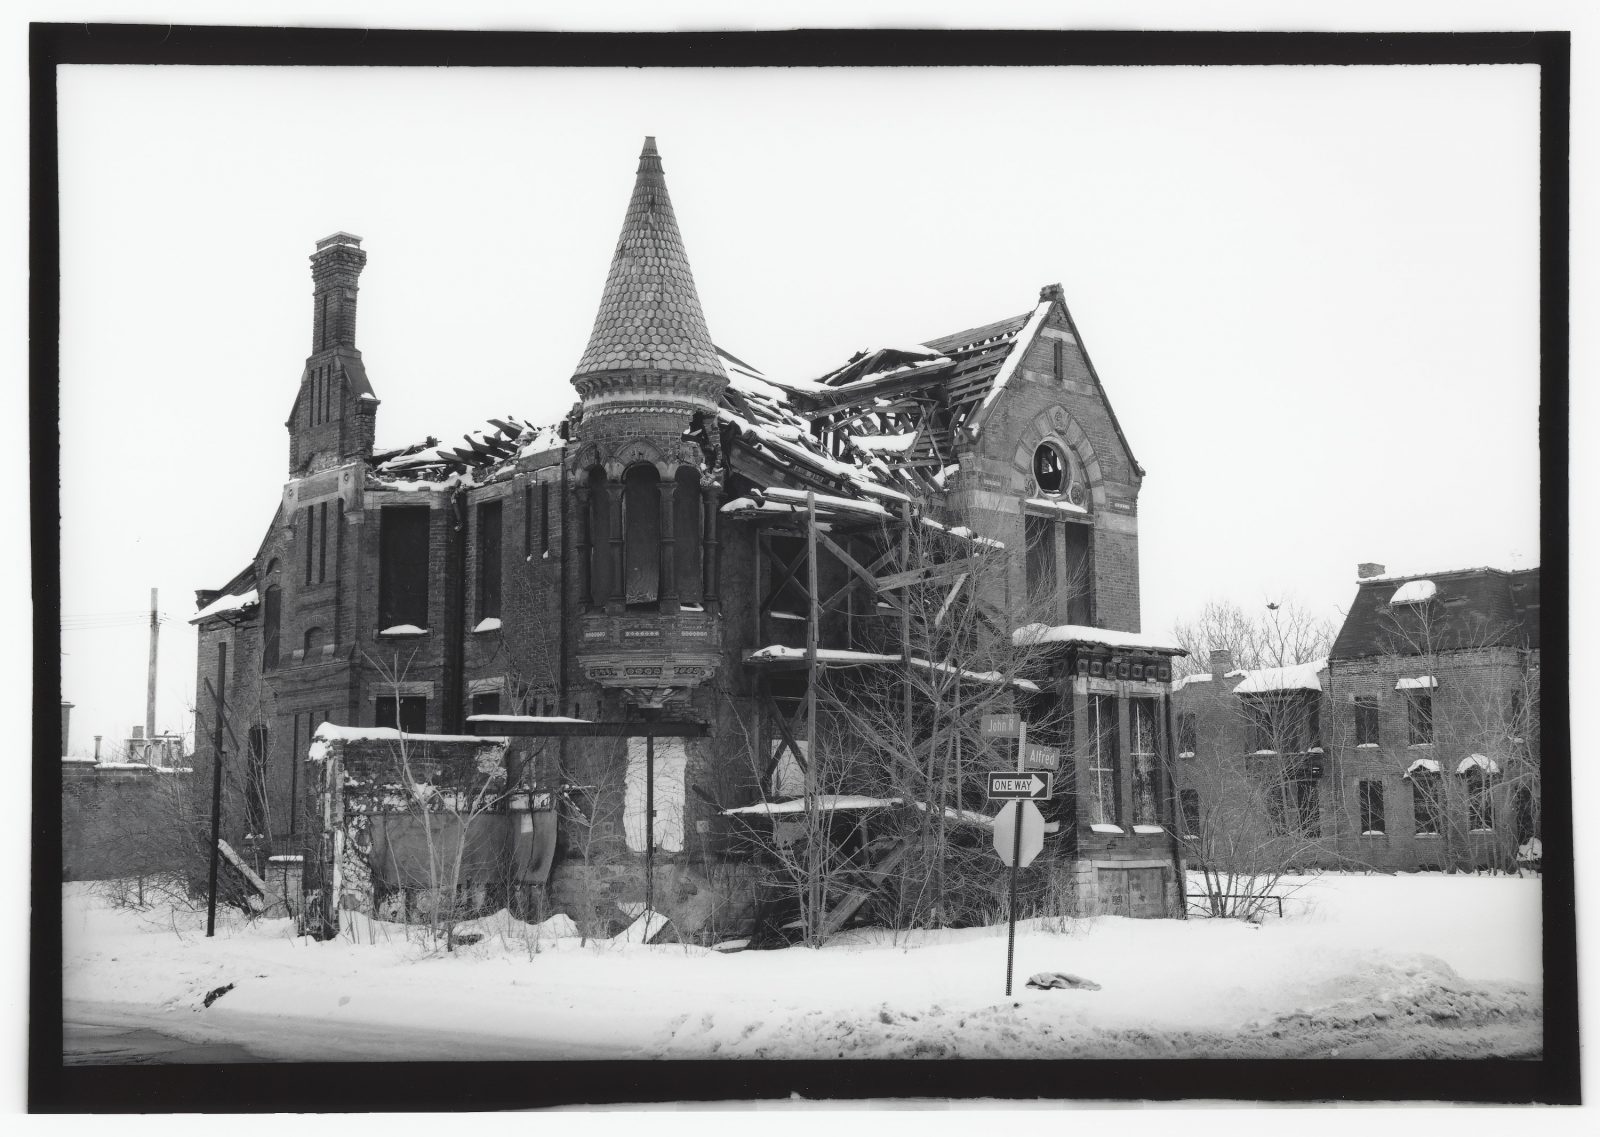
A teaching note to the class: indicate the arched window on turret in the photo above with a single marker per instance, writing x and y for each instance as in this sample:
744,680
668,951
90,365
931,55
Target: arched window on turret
599,537
314,640
686,513
641,534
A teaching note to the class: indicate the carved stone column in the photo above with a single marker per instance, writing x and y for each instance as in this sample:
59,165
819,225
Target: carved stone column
710,566
585,583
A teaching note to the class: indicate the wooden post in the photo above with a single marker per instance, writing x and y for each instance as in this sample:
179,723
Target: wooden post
150,690
814,850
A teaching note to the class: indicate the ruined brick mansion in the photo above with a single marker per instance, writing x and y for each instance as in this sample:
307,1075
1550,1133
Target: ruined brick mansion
701,542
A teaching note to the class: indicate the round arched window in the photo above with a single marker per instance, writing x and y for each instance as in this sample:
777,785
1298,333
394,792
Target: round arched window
1050,469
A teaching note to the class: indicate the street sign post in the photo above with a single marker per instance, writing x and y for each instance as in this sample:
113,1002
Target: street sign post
1029,785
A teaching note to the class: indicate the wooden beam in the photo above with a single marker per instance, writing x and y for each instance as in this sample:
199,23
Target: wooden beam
927,573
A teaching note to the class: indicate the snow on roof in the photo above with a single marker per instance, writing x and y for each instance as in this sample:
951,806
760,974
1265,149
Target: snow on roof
1428,764
1398,577
404,630
1420,681
826,501
1297,677
329,732
966,816
825,802
522,718
227,604
1488,765
853,658
1031,634
1198,677
1013,360
1414,592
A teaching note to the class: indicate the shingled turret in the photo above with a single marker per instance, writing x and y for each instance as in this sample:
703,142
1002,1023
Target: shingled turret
649,350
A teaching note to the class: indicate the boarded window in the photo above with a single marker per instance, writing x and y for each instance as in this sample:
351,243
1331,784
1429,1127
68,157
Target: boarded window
1039,538
1143,747
403,566
1480,812
1419,716
271,620
1190,800
489,560
641,535
1427,803
407,712
1371,800
1366,722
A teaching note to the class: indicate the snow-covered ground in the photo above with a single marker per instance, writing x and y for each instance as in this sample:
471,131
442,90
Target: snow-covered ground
1360,966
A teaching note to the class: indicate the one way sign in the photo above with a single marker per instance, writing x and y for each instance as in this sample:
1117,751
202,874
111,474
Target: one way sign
1007,785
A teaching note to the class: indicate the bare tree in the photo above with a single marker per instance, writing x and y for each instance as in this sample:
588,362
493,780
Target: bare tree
1281,634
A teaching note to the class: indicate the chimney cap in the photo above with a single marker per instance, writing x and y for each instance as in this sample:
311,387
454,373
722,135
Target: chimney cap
1369,569
339,238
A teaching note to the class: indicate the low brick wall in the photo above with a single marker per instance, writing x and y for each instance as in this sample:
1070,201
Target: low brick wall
115,820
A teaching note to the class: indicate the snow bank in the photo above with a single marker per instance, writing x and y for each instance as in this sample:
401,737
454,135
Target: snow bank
1426,965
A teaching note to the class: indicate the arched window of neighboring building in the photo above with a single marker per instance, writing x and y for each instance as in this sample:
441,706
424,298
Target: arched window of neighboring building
599,537
641,534
686,511
271,619
313,643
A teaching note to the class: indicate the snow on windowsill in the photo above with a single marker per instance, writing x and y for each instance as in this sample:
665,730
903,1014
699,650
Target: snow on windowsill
1480,830
1420,682
1098,828
1487,764
488,624
1426,836
400,630
1429,764
1186,754
1367,746
1148,829
1373,833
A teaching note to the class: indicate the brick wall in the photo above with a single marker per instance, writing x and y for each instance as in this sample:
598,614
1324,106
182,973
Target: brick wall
116,822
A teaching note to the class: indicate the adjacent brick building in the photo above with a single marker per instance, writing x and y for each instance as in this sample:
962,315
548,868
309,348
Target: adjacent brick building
1413,745
648,555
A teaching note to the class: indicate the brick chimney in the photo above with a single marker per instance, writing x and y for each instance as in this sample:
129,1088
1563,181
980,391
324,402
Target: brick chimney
335,270
1221,662
1369,569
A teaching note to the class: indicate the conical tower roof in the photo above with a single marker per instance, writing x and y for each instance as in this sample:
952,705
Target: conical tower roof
650,317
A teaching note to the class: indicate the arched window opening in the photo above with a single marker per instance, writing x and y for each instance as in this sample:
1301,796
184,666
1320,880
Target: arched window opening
1050,469
686,510
271,619
599,537
641,535
313,643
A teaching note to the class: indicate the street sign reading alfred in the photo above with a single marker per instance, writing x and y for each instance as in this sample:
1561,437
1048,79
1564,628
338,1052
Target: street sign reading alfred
1006,785
1042,757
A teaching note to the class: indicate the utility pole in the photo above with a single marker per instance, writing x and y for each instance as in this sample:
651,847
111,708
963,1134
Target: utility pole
150,692
216,786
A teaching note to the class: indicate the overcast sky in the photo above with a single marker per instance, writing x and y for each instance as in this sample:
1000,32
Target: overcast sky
1311,294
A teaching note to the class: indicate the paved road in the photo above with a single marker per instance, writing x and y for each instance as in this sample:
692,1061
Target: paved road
99,1044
